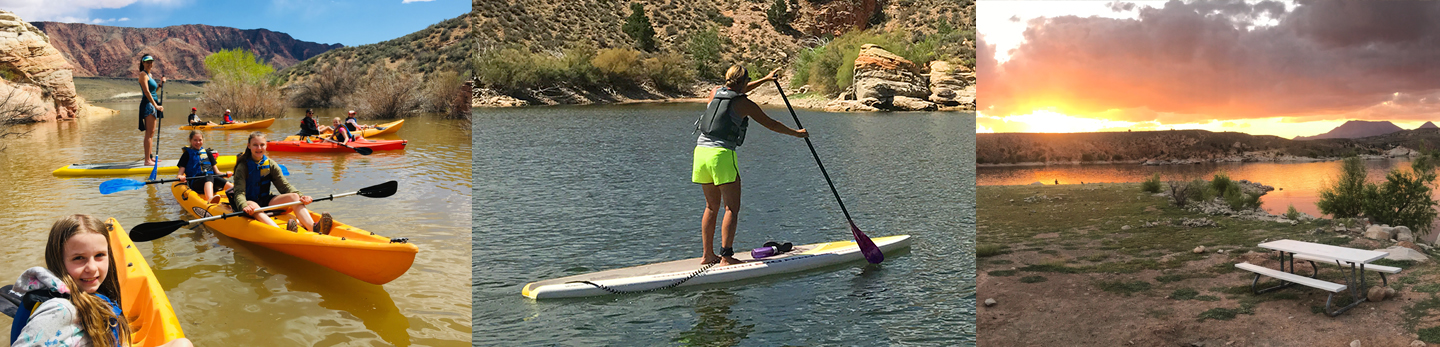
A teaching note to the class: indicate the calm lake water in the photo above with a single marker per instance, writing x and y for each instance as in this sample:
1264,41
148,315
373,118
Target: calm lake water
569,190
229,292
1296,184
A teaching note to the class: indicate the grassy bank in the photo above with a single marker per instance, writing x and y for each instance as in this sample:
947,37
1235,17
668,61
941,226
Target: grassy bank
1112,249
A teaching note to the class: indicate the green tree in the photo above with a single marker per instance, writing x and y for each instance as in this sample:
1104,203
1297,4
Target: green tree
779,15
704,48
1345,197
639,29
1151,185
237,64
1404,198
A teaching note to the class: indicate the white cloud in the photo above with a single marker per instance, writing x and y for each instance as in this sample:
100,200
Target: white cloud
74,11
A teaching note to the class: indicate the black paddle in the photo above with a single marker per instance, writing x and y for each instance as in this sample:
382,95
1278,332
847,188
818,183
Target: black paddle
867,247
159,116
154,230
361,150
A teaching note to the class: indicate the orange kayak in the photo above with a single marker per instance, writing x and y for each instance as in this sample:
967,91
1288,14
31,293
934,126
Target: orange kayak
358,253
152,319
315,145
260,124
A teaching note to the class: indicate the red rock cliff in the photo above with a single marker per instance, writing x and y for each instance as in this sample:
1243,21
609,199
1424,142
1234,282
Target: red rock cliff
107,51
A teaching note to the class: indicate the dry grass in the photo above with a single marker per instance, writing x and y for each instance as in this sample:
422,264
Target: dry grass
246,100
446,93
386,94
328,87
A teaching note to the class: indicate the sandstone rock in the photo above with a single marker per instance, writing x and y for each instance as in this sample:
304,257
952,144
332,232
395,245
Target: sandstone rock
1377,233
1417,343
835,17
1198,249
990,302
1390,293
1410,245
1403,234
883,75
1341,228
849,106
1355,343
35,71
905,103
1126,227
1400,151
1376,294
1402,253
944,81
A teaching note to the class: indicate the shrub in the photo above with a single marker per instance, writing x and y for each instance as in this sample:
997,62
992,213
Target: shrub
1197,190
241,82
1344,198
447,93
830,67
617,63
1179,192
327,86
1404,198
667,71
1222,184
238,65
1291,213
639,28
1151,185
779,15
386,94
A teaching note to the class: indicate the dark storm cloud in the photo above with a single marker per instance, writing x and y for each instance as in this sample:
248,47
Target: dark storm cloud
1199,61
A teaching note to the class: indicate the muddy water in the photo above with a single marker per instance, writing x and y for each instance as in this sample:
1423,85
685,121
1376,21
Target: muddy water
229,292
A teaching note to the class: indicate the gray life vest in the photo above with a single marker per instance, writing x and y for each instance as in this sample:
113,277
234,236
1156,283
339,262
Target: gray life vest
720,121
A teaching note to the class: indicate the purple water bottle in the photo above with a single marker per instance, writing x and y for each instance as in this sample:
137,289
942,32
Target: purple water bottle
763,252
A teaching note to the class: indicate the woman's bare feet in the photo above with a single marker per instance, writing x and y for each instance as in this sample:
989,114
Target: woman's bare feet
730,261
709,259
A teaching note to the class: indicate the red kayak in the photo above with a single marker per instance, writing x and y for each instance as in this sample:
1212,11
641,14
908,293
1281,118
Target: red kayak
326,146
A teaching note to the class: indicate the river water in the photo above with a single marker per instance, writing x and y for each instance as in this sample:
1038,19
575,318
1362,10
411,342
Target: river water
229,292
570,190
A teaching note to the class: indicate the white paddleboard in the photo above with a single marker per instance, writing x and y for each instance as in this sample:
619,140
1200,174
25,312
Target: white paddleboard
668,274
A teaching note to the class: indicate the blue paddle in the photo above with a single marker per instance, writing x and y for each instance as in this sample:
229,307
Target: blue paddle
124,184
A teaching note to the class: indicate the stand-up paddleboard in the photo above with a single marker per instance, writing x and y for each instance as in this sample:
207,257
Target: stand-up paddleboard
689,272
224,162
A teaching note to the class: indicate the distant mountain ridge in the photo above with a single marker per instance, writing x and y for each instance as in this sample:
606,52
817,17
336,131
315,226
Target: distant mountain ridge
1356,129
108,51
1428,125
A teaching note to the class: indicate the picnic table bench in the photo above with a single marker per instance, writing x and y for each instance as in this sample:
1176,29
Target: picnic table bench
1357,259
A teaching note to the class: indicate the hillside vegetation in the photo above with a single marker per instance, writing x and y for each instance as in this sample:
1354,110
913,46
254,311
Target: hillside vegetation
1011,148
442,47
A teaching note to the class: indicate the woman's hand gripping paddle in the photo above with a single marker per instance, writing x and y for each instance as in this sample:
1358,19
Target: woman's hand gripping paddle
867,247
154,230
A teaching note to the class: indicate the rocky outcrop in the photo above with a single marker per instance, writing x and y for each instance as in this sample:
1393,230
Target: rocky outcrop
884,81
106,51
835,17
949,85
1401,151
36,75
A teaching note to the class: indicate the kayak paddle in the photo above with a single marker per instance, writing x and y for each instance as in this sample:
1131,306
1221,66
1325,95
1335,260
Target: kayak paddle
159,116
124,184
153,230
867,247
361,150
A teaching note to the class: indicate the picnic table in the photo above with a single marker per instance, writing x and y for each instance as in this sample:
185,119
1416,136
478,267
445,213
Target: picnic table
1356,259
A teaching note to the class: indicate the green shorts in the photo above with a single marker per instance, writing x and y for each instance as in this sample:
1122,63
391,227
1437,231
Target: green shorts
714,165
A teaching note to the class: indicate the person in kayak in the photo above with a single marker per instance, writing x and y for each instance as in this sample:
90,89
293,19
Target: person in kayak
197,161
74,300
353,124
149,108
195,119
254,174
342,133
722,129
308,125
226,119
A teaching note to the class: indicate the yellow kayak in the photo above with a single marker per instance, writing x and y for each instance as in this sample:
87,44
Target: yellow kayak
260,124
167,167
152,319
379,129
358,253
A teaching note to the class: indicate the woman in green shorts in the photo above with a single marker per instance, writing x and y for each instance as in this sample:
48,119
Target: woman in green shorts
722,129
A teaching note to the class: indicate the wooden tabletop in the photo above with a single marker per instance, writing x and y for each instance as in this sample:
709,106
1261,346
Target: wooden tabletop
1342,253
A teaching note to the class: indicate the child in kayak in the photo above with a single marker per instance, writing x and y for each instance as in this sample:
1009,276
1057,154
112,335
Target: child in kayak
197,161
195,119
254,174
722,129
353,125
342,133
227,119
74,300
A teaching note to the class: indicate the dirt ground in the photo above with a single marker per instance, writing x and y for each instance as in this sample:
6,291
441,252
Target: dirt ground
1073,266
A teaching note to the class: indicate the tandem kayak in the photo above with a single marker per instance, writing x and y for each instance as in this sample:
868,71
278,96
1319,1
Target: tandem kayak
171,167
315,145
689,272
379,129
349,250
147,309
260,124
152,319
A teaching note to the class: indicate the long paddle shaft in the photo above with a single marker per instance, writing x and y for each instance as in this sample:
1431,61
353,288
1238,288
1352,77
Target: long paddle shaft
361,150
124,184
159,116
867,247
154,230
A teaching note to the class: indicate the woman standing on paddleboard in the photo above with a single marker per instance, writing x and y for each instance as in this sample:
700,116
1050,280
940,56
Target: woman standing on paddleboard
149,108
722,129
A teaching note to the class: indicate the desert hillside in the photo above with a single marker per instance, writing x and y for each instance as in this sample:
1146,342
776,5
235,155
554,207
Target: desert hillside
108,51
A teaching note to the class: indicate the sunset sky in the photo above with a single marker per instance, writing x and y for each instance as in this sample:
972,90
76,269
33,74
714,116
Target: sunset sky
1272,68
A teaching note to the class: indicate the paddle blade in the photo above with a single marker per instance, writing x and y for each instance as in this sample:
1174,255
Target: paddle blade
872,253
380,190
120,185
364,151
154,169
284,171
154,230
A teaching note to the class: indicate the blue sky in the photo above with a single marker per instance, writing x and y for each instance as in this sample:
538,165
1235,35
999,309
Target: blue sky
350,23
